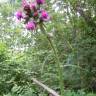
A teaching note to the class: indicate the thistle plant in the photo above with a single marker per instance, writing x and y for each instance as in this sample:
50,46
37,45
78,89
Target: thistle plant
34,16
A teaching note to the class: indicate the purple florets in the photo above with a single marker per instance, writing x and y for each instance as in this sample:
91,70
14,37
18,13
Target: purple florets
31,25
19,15
44,15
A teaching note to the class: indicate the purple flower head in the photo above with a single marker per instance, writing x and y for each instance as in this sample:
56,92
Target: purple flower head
33,6
40,1
44,16
31,25
19,15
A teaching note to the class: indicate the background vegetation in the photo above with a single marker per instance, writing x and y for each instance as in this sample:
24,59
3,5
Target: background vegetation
24,54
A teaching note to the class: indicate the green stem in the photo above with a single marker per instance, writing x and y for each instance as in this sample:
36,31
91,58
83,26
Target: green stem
60,71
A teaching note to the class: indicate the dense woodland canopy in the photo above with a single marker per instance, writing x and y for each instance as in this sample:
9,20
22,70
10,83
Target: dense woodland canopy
27,54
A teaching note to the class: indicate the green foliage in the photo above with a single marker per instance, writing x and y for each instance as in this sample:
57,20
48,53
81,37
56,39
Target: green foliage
24,54
3,51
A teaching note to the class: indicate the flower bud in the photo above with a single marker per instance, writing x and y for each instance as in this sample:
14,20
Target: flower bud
40,1
33,6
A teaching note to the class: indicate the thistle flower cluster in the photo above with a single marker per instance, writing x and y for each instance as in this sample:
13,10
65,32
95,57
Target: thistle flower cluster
33,14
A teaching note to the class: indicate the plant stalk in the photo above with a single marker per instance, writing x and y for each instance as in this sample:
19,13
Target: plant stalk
60,71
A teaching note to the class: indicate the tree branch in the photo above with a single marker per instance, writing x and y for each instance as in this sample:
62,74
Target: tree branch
49,90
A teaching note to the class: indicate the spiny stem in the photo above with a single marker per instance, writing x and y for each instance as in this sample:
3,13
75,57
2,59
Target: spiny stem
60,71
